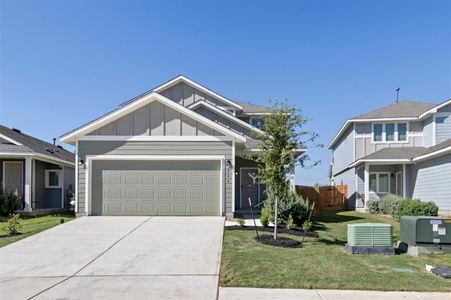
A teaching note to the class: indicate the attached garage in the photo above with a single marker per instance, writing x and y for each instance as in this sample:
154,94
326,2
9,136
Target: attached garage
156,187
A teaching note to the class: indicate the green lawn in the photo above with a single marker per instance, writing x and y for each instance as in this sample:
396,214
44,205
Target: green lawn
31,225
323,263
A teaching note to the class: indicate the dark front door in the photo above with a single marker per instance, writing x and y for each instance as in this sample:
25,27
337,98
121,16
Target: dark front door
249,187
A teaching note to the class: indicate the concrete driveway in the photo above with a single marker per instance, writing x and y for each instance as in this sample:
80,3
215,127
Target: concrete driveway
116,258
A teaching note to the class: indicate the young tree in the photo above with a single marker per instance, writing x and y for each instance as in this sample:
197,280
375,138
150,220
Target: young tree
278,155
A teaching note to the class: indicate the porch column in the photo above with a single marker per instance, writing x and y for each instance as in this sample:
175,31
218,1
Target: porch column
28,183
404,181
293,180
367,184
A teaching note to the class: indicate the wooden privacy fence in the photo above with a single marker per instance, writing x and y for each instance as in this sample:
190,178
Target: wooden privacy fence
326,198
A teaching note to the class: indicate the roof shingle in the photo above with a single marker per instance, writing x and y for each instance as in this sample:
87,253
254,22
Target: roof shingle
402,109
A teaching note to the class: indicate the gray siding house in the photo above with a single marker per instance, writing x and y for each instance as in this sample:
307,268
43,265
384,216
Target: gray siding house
42,173
403,149
178,149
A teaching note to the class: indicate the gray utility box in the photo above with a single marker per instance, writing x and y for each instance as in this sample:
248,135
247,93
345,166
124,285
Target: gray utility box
425,231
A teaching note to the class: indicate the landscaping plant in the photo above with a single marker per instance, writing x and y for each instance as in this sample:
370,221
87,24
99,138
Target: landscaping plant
13,225
9,202
373,206
389,204
276,157
290,222
265,216
408,207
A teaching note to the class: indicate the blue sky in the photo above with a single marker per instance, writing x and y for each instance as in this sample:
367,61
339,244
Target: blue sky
63,63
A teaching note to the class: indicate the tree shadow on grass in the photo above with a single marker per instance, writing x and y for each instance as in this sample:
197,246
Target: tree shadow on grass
336,217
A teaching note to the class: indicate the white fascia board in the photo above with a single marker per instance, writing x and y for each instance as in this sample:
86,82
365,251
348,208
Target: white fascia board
7,138
37,155
182,78
152,138
257,113
348,122
379,161
433,154
124,110
434,109
226,115
154,157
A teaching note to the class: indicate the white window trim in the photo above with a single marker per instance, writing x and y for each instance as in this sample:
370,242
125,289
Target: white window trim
91,158
377,181
384,133
60,181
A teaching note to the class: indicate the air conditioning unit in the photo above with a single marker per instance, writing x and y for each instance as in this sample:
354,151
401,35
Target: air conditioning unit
370,238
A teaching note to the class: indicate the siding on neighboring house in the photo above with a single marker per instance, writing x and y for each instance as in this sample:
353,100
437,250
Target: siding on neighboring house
348,178
433,181
155,119
185,95
69,183
45,197
343,152
443,127
428,132
152,148
364,145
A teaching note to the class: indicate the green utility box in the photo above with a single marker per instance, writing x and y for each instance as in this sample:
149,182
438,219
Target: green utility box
370,235
425,231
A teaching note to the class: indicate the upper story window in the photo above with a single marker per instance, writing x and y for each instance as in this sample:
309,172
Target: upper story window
258,122
389,132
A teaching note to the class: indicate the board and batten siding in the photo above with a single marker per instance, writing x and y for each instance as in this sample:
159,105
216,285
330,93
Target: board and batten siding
433,182
344,152
185,95
154,148
155,119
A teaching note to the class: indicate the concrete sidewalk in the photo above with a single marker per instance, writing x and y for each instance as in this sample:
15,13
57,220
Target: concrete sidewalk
298,294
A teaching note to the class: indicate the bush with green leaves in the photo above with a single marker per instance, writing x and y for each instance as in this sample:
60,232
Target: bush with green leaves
265,216
13,225
291,204
290,222
389,204
373,206
408,207
307,225
9,202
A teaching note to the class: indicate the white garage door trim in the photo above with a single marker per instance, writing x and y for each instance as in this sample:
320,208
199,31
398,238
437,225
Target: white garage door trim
91,158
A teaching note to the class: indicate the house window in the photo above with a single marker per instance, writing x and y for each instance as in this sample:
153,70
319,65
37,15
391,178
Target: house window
402,131
377,132
390,132
52,179
380,183
258,122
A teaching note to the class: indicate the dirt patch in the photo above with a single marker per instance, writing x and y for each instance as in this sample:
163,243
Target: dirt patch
297,232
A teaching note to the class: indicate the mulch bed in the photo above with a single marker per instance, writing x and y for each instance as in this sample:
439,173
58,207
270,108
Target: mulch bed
280,242
280,229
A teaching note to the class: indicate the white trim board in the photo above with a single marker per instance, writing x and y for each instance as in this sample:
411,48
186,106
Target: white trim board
182,78
152,138
91,158
7,138
35,155
434,109
224,114
71,137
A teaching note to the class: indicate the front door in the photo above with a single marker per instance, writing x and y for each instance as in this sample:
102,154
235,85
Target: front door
13,176
249,187
399,184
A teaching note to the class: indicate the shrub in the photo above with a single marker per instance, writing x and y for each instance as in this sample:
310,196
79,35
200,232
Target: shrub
13,225
307,225
373,206
416,207
389,204
291,204
290,222
242,222
265,216
9,202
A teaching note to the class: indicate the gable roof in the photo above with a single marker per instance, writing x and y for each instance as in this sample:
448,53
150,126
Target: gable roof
250,109
403,110
181,78
435,108
18,142
121,111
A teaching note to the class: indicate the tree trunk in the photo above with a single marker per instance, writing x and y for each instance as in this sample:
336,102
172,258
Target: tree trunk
276,201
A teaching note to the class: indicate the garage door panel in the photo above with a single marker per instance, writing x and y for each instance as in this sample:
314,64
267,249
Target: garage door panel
156,188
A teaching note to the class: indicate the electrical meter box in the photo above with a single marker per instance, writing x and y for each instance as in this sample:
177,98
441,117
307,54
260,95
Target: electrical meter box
425,231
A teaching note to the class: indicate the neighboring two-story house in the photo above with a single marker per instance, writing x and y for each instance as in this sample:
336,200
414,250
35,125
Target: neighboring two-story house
403,149
178,149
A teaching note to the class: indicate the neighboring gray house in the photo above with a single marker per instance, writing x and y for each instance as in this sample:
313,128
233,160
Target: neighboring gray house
178,149
42,173
403,149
